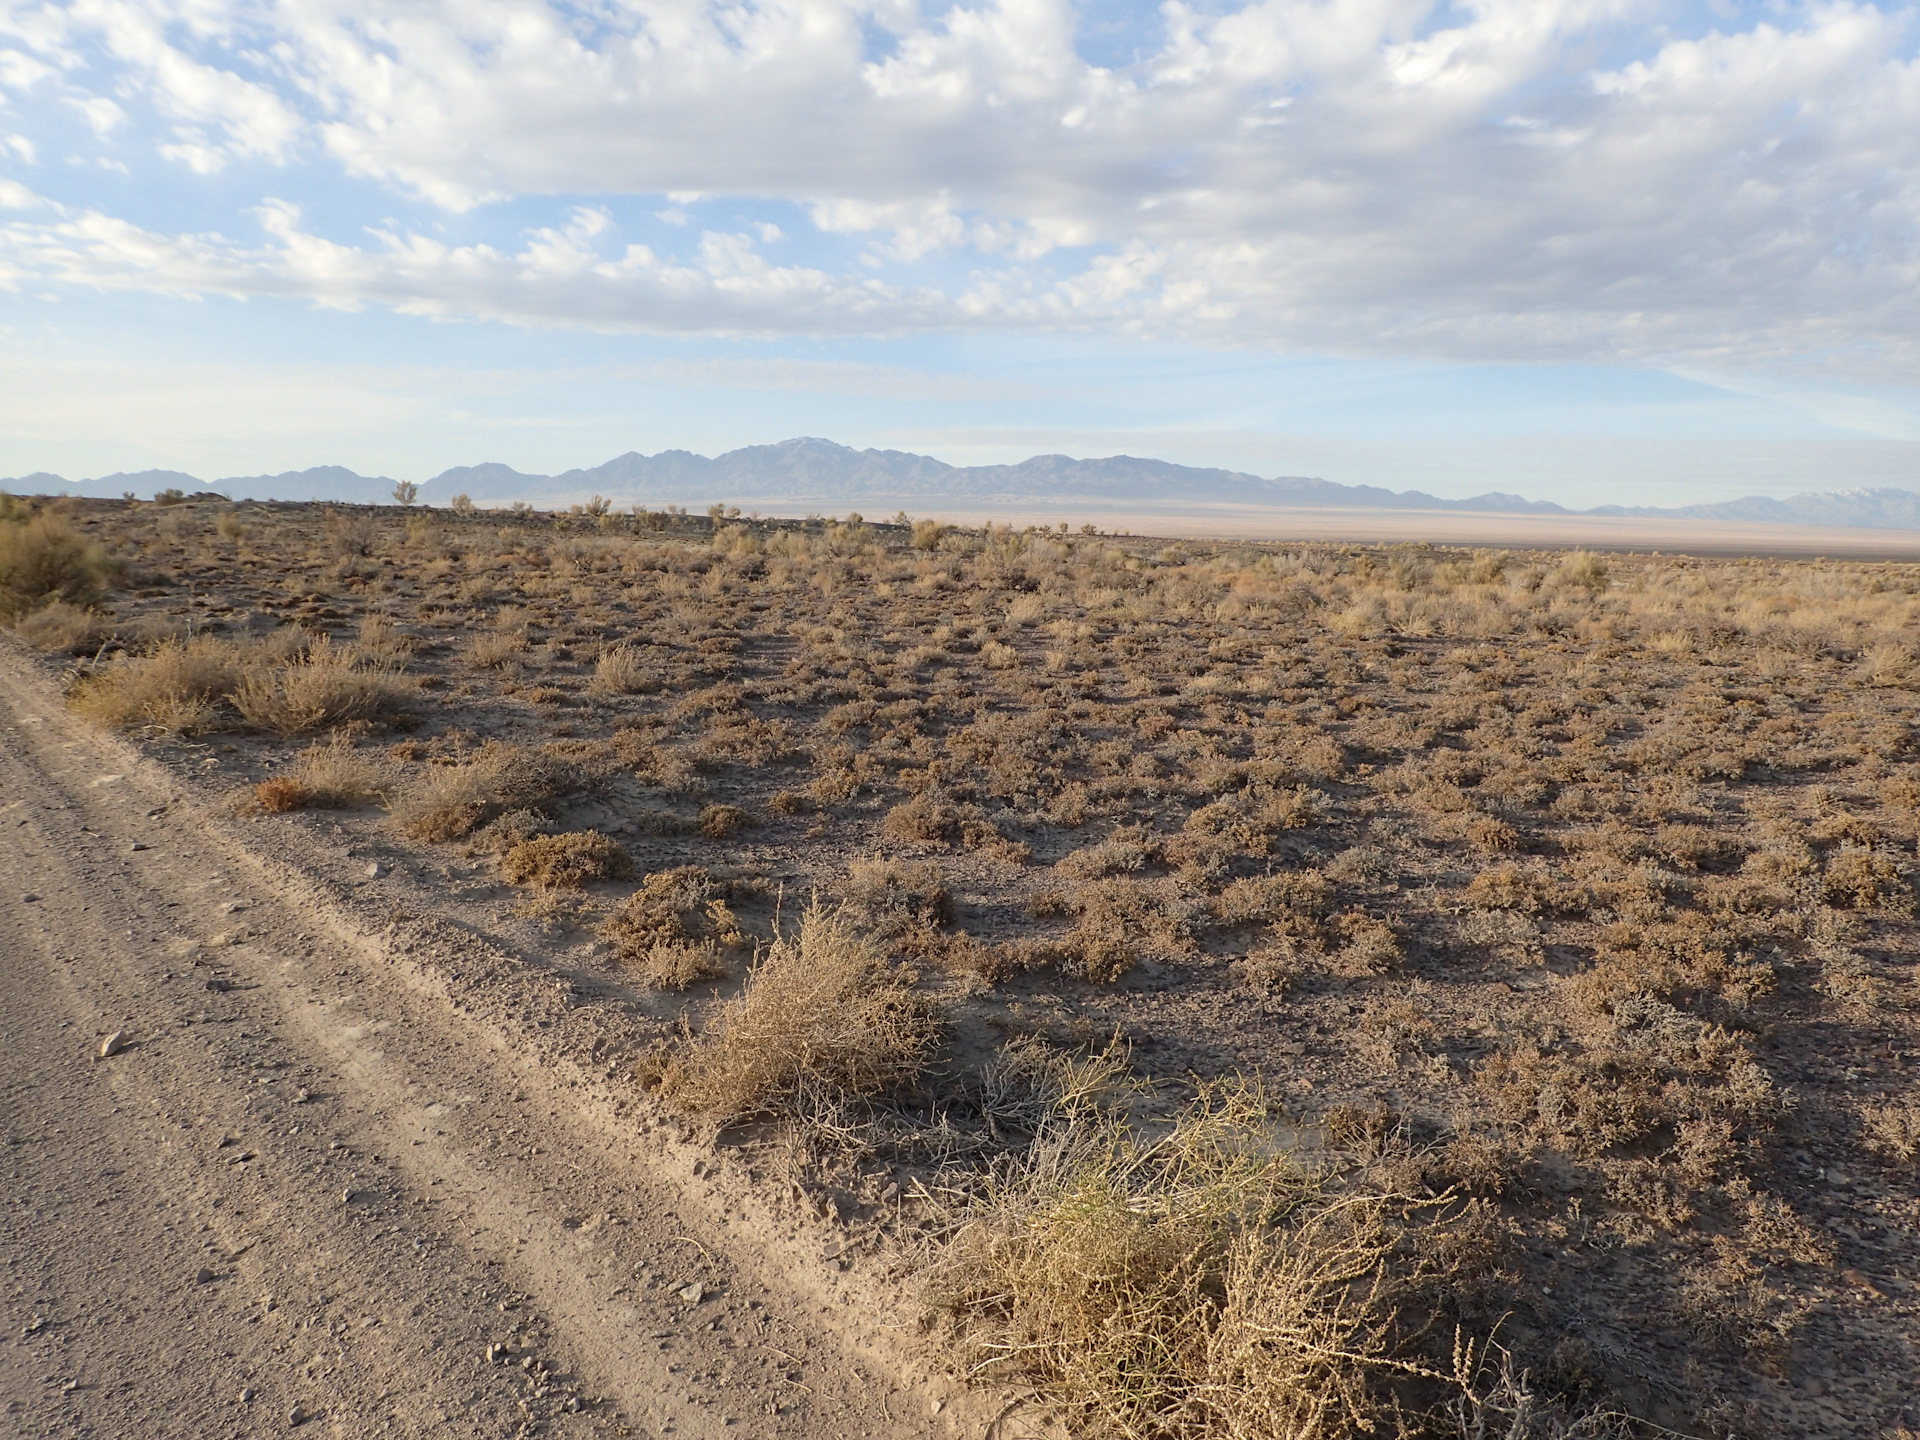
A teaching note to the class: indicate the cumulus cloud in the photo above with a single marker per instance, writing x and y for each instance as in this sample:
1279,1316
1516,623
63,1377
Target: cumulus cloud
1390,175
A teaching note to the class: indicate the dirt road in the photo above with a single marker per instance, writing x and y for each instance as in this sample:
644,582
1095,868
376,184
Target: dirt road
311,1195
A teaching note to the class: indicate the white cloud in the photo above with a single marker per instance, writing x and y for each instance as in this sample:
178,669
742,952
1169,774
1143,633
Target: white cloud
562,275
1385,175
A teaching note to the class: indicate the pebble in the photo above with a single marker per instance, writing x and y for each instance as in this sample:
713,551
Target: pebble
376,871
298,1415
694,1293
137,847
28,898
113,1044
246,1395
203,1276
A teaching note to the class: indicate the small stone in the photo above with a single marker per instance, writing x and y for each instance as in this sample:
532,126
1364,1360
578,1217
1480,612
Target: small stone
693,1293
28,898
376,871
137,847
301,1097
346,1197
114,1044
34,1326
203,1276
298,1415
246,1395
495,1354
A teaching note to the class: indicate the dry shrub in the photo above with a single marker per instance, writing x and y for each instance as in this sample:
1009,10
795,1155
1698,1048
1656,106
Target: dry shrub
1292,901
1862,879
43,559
566,862
176,688
495,649
1197,1284
1892,1132
822,1016
1117,923
678,964
1127,849
621,670
890,899
62,627
671,928
723,822
331,775
328,685
929,818
280,794
447,802
1369,945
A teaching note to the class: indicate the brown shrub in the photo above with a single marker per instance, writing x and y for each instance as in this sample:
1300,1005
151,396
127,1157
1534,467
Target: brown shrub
1861,879
1117,923
42,559
280,794
622,670
62,627
678,964
822,1018
890,899
929,818
671,908
328,685
1892,1132
447,802
176,688
566,862
723,822
1196,1284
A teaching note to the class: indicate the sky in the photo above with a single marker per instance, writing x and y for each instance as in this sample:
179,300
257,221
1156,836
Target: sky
1592,251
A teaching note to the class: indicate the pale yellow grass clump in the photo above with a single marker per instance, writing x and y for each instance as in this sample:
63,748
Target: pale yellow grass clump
328,685
43,559
822,1015
287,683
59,626
1200,1284
446,802
621,670
333,775
175,688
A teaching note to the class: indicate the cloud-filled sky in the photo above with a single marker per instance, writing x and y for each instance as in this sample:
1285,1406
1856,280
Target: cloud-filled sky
1583,249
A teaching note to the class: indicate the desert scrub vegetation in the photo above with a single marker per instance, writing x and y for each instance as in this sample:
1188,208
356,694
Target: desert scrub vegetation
44,560
1192,1281
822,1017
1580,885
285,683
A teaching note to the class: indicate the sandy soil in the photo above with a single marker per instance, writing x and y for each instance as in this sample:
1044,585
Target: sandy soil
353,1173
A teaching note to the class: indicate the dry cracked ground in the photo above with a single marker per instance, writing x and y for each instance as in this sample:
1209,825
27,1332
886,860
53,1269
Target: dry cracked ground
499,973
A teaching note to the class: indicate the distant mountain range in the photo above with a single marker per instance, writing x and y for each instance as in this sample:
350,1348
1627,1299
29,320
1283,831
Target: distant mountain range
819,472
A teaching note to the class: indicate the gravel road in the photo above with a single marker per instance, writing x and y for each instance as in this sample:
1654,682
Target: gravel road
308,1195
